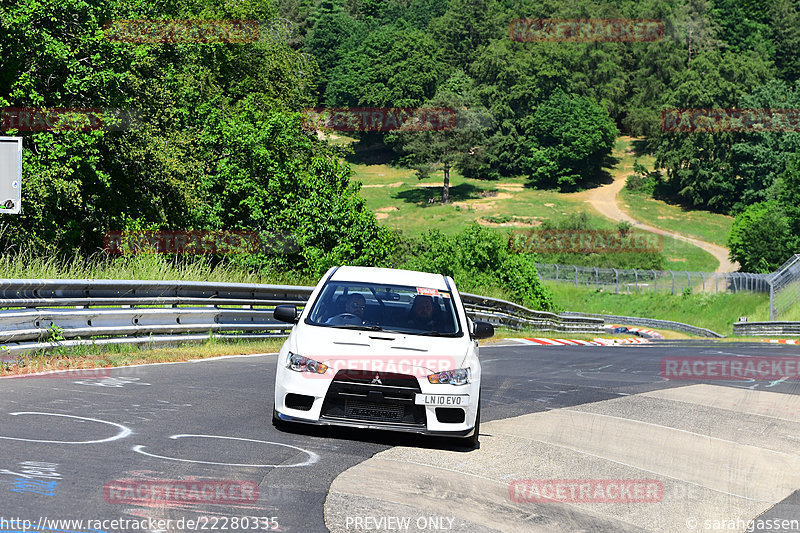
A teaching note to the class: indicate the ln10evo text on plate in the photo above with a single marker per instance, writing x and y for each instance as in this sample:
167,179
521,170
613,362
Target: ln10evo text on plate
382,348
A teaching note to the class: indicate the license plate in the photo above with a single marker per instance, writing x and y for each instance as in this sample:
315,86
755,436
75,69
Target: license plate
442,400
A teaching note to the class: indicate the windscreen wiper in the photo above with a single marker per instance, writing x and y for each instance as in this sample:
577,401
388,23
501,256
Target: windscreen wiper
363,328
437,334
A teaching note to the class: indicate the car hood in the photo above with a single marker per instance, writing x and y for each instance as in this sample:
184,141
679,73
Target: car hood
343,348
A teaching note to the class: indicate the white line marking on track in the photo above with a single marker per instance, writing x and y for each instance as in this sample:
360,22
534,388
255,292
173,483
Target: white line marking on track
124,431
312,457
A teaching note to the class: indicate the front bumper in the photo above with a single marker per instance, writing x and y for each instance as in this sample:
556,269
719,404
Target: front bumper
333,402
386,426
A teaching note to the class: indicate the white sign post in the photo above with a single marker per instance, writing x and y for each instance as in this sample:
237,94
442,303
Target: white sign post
10,175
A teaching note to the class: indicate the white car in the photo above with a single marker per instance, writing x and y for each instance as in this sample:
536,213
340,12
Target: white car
382,348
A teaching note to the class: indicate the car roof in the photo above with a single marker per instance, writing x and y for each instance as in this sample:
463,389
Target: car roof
391,276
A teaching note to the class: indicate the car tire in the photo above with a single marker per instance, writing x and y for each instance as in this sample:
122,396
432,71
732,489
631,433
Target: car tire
472,441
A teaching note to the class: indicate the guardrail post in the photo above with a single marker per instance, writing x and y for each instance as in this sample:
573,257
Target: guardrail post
704,281
596,278
771,302
655,282
673,281
556,273
688,278
576,275
636,279
616,279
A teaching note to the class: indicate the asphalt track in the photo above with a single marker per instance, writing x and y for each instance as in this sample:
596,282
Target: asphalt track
721,450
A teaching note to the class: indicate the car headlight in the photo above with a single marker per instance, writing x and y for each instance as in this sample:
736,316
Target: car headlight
460,376
304,364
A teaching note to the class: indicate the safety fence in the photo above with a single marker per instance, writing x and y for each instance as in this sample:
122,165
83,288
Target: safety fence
628,281
784,289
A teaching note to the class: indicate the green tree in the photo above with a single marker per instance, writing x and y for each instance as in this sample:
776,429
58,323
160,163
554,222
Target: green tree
477,258
760,238
568,139
465,28
218,145
785,24
454,146
394,66
758,159
333,33
697,164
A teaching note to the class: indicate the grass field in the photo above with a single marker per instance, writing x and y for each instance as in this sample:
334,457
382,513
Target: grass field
401,201
702,225
716,312
27,265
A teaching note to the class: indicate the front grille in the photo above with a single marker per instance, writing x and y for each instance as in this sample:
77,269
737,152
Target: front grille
356,395
379,412
388,379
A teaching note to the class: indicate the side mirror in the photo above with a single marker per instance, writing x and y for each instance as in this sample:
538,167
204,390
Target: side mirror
482,330
285,313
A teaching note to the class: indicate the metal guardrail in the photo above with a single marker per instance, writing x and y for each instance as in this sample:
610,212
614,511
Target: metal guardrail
43,314
503,313
653,323
757,329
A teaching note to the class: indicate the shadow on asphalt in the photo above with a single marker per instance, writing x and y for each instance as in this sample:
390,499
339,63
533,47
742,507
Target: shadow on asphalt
382,437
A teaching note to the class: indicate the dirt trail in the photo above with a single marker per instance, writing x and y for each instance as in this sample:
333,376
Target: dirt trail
604,199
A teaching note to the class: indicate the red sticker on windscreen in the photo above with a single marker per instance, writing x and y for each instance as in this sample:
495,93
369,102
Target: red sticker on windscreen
427,292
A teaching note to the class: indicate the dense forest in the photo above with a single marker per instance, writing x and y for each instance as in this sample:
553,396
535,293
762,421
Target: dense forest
220,141
555,107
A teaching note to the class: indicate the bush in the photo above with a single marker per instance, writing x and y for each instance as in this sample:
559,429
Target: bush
477,258
581,221
760,238
643,181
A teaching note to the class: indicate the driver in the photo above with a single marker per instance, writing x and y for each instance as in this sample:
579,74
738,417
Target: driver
355,305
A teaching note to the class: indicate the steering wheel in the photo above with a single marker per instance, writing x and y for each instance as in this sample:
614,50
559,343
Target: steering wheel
347,316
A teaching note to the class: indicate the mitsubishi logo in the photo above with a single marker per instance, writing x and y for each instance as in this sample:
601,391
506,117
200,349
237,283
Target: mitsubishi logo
376,380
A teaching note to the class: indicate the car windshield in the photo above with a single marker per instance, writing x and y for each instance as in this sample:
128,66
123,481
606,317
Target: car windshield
379,307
